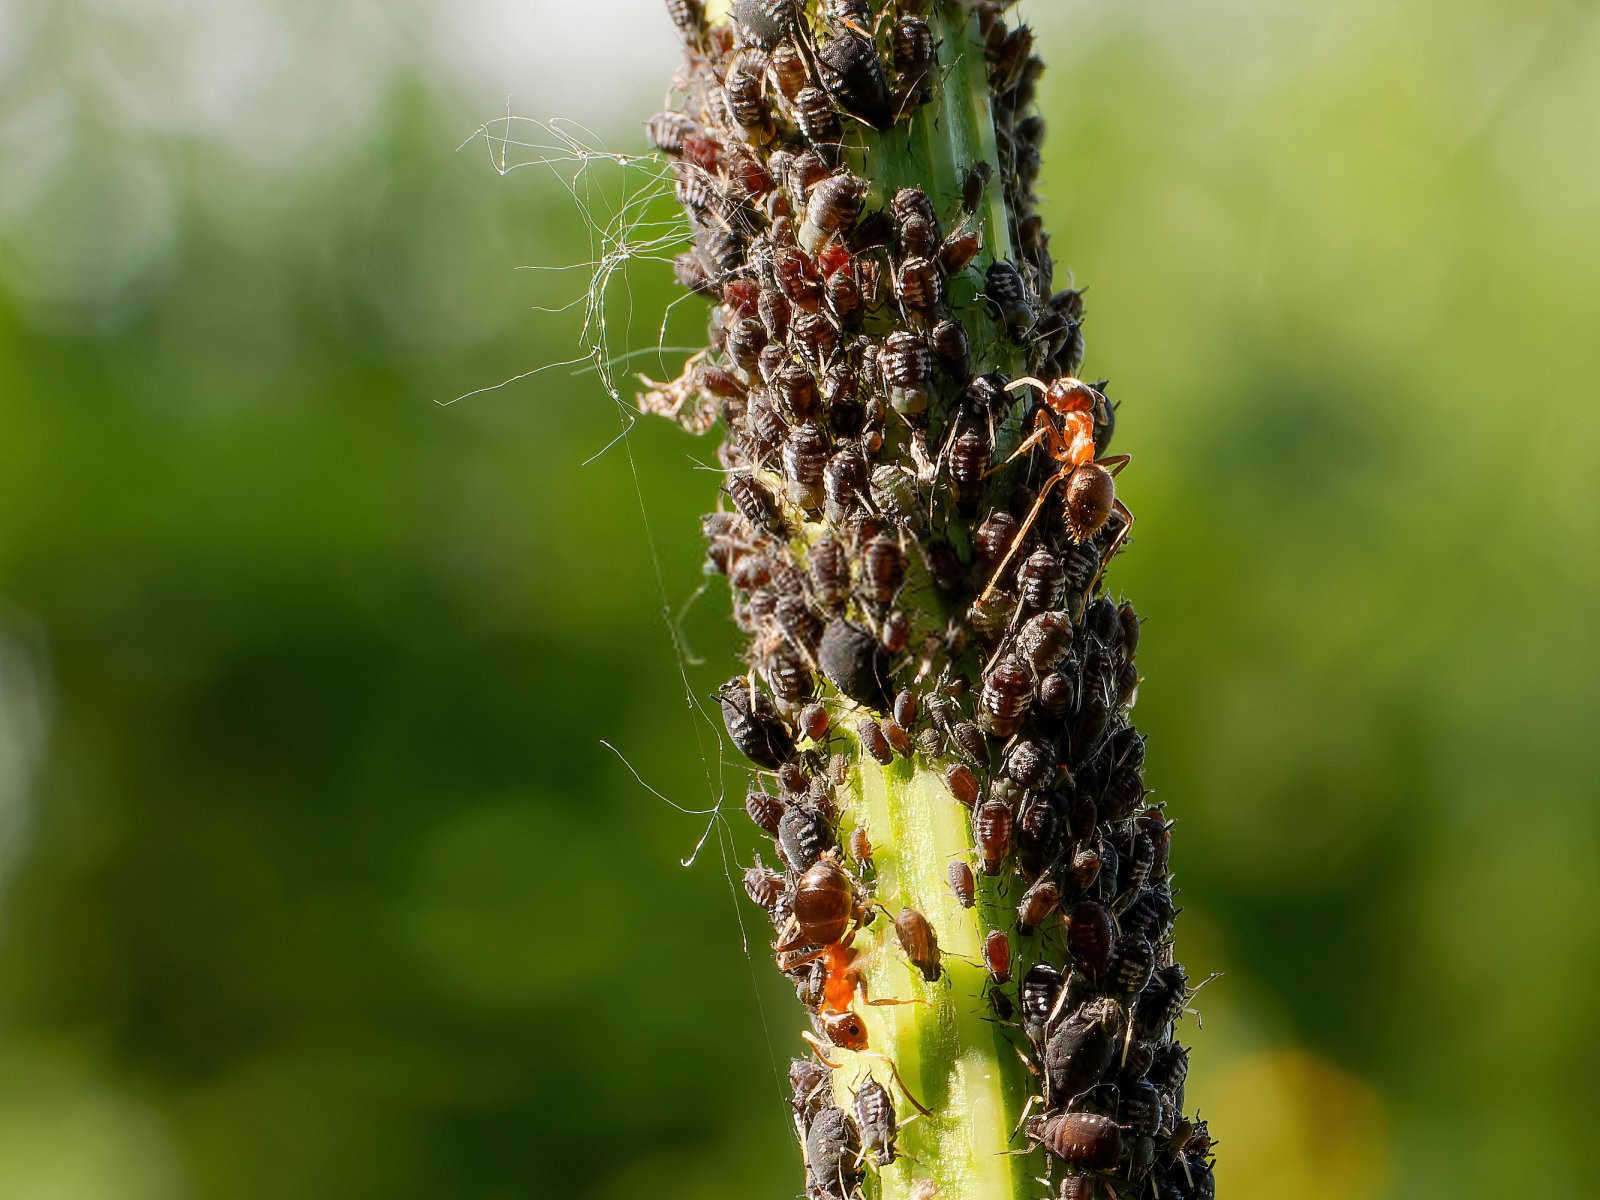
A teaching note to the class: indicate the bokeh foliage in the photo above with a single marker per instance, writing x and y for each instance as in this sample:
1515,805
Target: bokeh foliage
317,878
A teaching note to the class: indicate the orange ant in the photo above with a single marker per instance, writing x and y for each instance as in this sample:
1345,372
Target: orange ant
1091,493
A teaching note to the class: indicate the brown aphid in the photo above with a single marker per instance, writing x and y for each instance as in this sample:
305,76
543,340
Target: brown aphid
830,574
764,886
788,70
899,740
896,632
853,74
963,784
755,502
667,131
842,293
969,459
874,742
834,205
1037,903
972,743
745,89
1007,691
1084,868
930,742
1075,1187
838,769
1043,641
797,276
1090,937
860,845
1085,1140
963,883
883,568
824,902
1091,494
912,203
918,284
919,942
845,484
765,810
997,955
813,722
958,250
690,18
905,707
992,826
948,341
991,541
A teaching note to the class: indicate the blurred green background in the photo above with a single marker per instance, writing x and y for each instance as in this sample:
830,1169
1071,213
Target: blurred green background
315,878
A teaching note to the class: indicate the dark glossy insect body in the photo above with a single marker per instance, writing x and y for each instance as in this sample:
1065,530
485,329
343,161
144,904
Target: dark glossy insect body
765,810
797,276
1007,691
873,741
1149,914
754,725
992,539
992,825
1081,1049
918,941
911,43
805,453
948,342
905,707
1030,764
765,23
1085,1140
824,903
1041,989
856,663
813,722
808,1089
1042,581
803,837
833,1150
1090,937
788,70
997,955
1075,1187
876,1120
1004,287
853,75
1090,496
962,883
898,738
912,204
842,294
799,624
971,742
830,574
1038,903
1040,835
1044,639
1161,1003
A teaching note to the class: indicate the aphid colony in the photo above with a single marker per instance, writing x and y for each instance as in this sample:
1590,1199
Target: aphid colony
915,539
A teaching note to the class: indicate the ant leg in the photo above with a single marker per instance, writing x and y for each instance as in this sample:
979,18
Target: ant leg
820,1049
1039,434
1022,533
1115,463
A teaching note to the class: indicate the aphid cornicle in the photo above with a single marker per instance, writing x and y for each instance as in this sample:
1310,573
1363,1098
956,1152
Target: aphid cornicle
962,883
754,725
875,1118
1082,1139
918,940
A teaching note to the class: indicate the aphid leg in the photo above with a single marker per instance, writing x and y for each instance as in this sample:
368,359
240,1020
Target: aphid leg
1022,533
1121,509
1044,429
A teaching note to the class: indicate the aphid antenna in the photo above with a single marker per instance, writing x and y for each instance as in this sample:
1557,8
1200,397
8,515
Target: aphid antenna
899,1082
